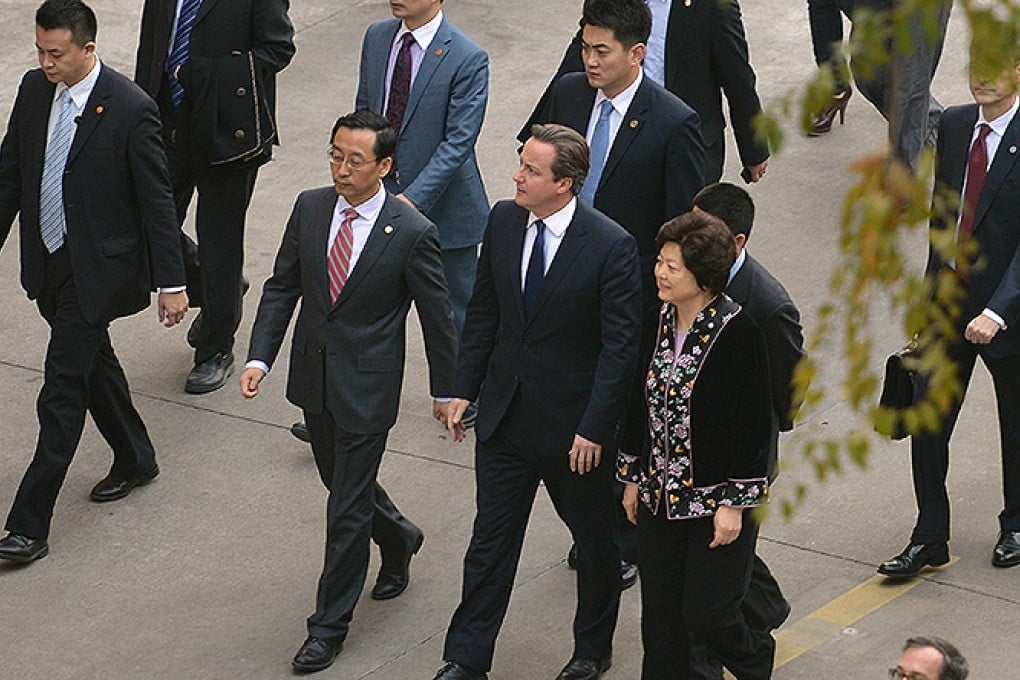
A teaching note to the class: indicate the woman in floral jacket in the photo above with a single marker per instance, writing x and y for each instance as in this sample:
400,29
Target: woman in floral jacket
708,406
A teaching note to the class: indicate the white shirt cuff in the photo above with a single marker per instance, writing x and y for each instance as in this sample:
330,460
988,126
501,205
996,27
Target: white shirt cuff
261,365
995,317
443,400
172,289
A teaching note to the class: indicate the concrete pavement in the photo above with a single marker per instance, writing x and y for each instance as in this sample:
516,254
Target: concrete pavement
210,571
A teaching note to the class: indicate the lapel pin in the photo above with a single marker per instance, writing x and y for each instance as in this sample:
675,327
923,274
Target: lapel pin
439,52
388,229
687,3
1012,149
633,124
99,109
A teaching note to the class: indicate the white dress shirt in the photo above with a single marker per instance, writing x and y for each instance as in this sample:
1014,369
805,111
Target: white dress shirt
655,52
620,104
555,227
998,129
423,37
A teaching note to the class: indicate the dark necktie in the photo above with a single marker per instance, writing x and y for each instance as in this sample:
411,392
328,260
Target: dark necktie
977,170
180,49
536,269
400,84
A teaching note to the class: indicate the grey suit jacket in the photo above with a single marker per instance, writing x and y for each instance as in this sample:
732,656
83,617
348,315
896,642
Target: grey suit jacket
436,164
349,357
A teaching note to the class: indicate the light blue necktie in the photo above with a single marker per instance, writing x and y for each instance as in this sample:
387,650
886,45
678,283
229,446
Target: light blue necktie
51,190
599,151
181,48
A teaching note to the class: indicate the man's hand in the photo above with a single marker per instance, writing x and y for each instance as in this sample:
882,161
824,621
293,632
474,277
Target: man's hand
585,455
630,493
250,380
407,200
172,307
454,412
756,172
981,330
727,521
441,411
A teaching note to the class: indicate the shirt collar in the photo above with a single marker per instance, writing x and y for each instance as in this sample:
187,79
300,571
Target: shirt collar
424,34
621,102
737,265
1000,124
558,222
369,210
82,90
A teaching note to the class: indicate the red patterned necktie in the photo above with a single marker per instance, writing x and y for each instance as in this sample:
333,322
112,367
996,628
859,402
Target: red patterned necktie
400,84
340,255
977,169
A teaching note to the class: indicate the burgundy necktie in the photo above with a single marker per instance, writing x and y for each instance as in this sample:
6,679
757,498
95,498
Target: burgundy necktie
400,84
339,263
977,169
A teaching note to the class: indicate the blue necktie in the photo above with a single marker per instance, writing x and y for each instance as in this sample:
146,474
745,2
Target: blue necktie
536,269
599,151
179,51
51,189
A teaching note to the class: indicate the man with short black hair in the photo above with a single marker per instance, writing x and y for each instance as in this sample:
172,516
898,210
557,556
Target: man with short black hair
930,658
83,166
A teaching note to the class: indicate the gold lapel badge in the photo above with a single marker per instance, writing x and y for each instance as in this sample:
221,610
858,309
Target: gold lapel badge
439,52
388,229
633,124
99,109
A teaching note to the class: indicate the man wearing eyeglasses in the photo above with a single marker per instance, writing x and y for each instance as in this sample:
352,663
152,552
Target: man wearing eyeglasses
929,659
356,257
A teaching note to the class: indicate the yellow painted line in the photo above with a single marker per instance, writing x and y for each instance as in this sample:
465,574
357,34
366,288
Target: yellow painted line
828,620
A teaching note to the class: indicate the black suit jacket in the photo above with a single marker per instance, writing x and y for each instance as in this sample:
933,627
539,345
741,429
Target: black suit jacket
349,356
236,49
654,168
122,235
706,54
571,363
995,275
766,302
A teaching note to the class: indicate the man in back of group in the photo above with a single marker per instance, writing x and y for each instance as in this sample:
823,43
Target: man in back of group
930,658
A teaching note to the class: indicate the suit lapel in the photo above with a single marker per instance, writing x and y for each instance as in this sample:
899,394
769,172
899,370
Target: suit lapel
204,9
677,28
321,220
740,287
630,127
1002,165
578,113
38,127
570,248
435,53
517,233
96,108
378,239
378,61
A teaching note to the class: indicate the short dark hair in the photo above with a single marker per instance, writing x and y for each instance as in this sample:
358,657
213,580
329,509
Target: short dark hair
729,203
365,119
571,152
954,666
707,247
629,20
74,15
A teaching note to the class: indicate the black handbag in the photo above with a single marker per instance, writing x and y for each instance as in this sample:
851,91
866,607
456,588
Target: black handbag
899,385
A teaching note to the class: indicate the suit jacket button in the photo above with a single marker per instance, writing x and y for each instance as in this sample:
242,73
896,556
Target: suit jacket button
241,92
239,134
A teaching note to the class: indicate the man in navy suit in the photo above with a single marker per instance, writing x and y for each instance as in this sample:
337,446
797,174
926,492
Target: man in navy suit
83,166
548,350
976,158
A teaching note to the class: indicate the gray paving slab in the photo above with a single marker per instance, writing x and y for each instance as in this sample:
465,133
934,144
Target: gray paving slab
210,571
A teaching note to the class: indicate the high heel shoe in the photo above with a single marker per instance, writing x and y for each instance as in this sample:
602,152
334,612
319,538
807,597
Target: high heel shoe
822,123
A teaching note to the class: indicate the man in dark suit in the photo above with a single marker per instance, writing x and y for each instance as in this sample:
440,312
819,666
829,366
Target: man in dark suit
647,164
211,66
356,262
976,158
696,50
548,350
83,166
765,299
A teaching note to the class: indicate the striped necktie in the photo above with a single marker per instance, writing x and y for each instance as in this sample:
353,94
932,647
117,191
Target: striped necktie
51,189
180,49
339,263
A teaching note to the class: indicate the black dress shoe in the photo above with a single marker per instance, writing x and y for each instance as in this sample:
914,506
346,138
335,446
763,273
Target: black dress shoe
628,574
454,671
585,669
211,374
195,329
1007,550
22,549
394,577
300,430
914,558
315,654
112,488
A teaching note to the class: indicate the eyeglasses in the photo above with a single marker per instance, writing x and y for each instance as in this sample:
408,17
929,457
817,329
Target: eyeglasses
355,163
897,674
